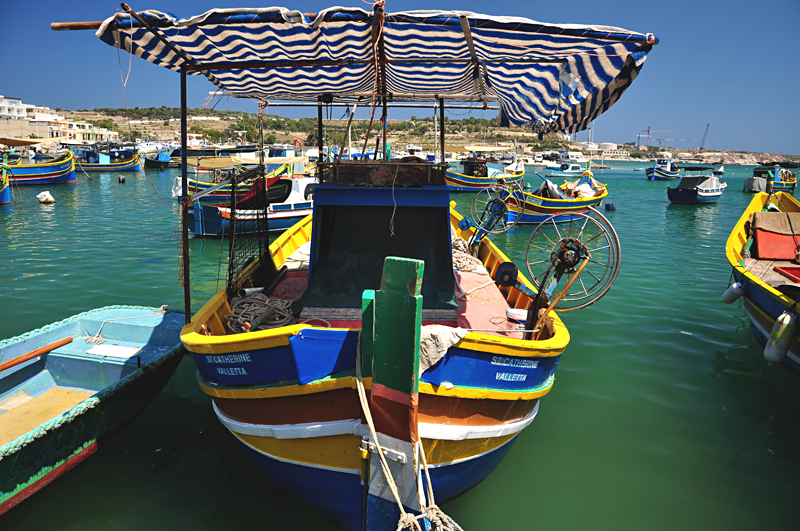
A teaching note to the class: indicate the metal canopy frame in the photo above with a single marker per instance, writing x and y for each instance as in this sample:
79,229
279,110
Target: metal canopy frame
379,97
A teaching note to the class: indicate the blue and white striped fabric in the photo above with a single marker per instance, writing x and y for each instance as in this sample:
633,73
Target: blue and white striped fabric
552,77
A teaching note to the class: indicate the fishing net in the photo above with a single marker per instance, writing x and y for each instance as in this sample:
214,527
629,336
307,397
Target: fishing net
249,261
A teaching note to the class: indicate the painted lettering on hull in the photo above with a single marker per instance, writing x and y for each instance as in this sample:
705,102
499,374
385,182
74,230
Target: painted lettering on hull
232,371
229,358
511,377
511,362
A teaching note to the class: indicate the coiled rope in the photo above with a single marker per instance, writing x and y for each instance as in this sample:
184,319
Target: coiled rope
257,312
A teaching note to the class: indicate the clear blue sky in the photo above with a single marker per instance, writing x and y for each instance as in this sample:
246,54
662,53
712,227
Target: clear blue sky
733,64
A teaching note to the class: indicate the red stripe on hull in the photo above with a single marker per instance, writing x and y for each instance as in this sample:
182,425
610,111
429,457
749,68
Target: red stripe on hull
340,404
51,476
343,404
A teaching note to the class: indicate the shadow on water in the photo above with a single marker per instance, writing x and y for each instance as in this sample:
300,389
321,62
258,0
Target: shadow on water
767,394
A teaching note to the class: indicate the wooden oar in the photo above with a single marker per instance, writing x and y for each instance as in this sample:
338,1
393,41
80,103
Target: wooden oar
33,354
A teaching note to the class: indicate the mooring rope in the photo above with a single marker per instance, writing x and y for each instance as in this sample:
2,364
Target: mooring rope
407,520
97,340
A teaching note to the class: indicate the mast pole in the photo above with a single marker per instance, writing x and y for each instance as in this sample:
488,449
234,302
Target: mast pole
319,132
441,129
187,299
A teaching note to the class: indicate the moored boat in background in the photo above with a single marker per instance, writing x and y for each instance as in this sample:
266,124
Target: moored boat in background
696,187
473,174
60,170
559,201
114,160
295,202
5,181
663,169
157,161
566,169
779,173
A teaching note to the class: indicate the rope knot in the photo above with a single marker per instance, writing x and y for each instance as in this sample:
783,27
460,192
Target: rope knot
408,521
439,520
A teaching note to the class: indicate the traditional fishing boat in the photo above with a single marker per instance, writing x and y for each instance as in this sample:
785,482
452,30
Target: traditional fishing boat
778,173
559,201
662,170
696,187
215,182
66,387
114,160
763,250
5,181
332,384
60,170
295,203
474,174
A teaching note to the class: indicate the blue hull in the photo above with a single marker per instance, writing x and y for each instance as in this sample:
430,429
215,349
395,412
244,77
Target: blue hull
763,309
54,172
5,194
339,495
207,221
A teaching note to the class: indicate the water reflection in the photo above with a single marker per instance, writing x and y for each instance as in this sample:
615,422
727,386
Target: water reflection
767,394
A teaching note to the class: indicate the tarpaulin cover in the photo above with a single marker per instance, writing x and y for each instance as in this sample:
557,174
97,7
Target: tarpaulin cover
556,77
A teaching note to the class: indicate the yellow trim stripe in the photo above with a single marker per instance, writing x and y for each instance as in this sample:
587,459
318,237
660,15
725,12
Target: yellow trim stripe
349,382
342,452
334,451
439,452
490,394
329,384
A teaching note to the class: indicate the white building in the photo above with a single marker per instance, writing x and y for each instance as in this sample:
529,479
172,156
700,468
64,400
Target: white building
12,108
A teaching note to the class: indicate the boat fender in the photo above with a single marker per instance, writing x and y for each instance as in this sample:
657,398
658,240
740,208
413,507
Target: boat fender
780,338
611,206
122,179
733,293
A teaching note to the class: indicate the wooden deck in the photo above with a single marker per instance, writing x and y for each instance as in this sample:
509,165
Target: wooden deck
765,271
28,412
484,308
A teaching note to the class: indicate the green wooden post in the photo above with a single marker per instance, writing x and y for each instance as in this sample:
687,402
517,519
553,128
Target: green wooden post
396,322
367,328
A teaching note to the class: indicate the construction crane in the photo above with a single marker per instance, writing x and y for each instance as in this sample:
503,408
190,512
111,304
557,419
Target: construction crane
648,131
704,142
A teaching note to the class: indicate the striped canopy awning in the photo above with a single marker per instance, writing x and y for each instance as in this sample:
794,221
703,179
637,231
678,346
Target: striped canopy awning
554,77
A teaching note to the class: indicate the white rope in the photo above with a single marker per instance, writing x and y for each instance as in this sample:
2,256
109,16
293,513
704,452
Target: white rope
476,288
407,521
97,340
437,517
432,512
257,312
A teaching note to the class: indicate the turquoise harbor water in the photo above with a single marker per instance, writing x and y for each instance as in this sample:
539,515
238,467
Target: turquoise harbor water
664,415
